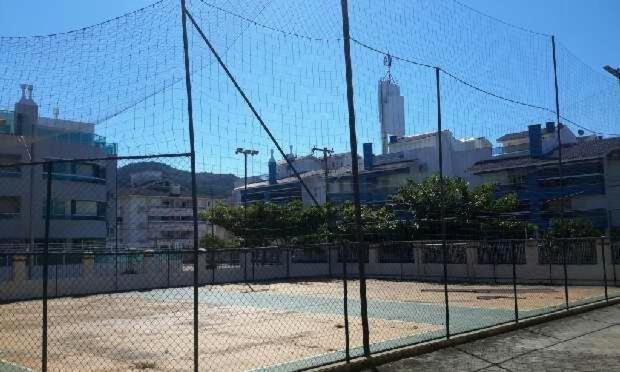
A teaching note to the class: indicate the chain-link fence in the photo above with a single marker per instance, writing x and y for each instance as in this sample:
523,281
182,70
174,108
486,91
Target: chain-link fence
283,185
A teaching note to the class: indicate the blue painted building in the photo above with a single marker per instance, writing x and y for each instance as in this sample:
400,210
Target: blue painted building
529,166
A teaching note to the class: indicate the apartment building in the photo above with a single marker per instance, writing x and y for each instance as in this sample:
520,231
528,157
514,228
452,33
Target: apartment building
83,199
156,213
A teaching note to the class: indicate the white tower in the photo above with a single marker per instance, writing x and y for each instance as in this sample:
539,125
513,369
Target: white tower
391,107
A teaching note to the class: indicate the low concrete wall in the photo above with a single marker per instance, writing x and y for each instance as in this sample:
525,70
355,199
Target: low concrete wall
153,270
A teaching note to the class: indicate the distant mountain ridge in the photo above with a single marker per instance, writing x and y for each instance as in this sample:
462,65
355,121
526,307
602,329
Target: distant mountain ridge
208,184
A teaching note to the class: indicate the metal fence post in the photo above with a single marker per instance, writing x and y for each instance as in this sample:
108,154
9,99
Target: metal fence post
329,260
514,279
48,213
168,268
442,211
245,265
116,270
190,116
288,262
603,243
343,258
213,266
564,264
400,253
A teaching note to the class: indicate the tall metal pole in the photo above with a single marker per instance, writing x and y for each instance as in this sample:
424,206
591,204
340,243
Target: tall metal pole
245,181
355,171
116,227
188,85
560,165
442,209
46,246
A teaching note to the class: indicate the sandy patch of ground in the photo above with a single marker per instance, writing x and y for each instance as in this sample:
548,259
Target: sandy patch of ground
129,332
481,296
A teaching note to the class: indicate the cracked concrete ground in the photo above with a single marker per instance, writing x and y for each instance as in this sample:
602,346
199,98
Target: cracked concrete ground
584,342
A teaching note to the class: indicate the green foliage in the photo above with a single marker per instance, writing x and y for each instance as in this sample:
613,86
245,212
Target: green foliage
213,242
414,214
470,214
268,223
572,228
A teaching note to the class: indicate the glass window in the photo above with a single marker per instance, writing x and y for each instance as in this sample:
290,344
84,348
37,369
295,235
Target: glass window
87,170
10,204
84,208
10,159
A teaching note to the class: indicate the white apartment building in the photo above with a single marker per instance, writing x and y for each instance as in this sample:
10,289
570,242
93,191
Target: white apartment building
156,213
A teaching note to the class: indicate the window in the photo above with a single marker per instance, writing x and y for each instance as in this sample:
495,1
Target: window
170,218
9,159
59,168
517,179
87,170
176,234
75,170
88,208
84,208
10,206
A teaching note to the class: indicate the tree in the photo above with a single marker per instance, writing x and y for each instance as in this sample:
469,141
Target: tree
213,242
571,228
269,223
469,214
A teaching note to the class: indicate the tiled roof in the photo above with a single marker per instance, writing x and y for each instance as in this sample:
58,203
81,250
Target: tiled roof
583,150
334,173
518,135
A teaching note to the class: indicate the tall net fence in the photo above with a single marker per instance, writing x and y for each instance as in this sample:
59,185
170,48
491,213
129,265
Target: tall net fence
250,227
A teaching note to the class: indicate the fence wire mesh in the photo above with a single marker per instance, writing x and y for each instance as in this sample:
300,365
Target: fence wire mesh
141,229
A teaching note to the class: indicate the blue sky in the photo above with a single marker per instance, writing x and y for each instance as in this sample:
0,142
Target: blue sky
590,28
297,84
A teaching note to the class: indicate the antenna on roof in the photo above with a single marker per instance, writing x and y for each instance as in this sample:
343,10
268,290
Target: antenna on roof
387,62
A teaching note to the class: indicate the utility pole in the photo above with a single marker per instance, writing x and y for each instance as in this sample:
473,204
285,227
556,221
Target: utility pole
245,153
326,153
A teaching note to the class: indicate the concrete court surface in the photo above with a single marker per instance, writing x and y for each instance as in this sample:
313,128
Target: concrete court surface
584,342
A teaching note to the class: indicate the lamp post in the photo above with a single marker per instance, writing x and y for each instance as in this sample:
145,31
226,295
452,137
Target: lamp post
614,71
245,152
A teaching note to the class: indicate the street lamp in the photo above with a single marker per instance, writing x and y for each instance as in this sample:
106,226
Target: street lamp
614,71
245,152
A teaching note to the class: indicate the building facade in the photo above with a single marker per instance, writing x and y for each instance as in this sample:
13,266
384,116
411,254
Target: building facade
156,213
529,167
83,194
